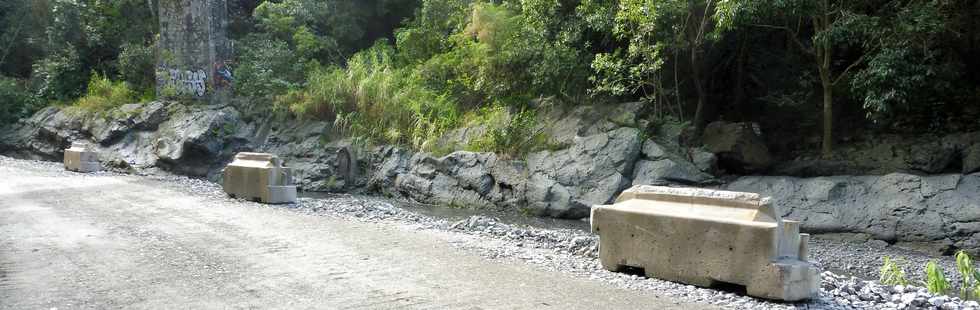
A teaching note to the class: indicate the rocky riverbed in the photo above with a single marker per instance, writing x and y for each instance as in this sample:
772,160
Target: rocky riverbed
851,262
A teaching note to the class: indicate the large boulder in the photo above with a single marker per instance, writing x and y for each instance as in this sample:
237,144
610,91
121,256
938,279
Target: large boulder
198,141
592,171
740,147
659,166
894,207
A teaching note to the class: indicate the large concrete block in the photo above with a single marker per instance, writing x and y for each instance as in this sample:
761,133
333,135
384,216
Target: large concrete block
259,177
707,238
82,158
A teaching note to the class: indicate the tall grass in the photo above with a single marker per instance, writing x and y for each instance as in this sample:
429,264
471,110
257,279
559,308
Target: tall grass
371,99
104,94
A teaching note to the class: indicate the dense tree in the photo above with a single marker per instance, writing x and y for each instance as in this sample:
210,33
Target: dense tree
378,67
889,45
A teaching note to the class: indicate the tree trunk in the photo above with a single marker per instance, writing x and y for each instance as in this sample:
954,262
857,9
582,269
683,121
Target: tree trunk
696,76
823,51
828,120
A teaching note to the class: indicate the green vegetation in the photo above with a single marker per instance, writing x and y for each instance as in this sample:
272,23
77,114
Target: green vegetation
372,99
15,102
935,280
892,273
104,94
407,71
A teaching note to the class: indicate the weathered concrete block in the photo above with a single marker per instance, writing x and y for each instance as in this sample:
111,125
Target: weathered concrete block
195,52
82,158
706,238
259,177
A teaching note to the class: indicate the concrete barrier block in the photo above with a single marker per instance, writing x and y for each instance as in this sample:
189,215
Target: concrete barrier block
81,157
707,238
259,177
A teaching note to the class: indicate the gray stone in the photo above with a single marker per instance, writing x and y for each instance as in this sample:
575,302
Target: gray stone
739,145
706,161
667,171
971,159
592,171
199,140
942,211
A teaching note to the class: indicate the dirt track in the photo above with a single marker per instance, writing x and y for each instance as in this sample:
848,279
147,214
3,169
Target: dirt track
73,241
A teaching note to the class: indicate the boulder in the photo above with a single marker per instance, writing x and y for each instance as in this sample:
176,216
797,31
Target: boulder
198,141
660,167
739,146
592,171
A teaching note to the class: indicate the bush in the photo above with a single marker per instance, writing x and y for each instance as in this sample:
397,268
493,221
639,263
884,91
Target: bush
373,101
137,66
104,94
59,77
267,68
15,101
508,134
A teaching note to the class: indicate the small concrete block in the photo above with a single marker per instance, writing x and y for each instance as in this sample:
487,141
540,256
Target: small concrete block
706,238
81,157
260,177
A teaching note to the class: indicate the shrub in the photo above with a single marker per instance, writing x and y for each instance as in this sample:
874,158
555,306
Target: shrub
936,282
373,101
15,101
137,66
508,134
59,77
891,273
267,68
103,94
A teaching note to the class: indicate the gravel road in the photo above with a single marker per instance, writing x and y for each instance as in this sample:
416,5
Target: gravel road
108,240
74,241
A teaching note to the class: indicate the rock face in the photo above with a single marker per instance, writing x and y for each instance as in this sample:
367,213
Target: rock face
194,141
567,183
884,154
739,146
564,183
661,167
943,209
971,159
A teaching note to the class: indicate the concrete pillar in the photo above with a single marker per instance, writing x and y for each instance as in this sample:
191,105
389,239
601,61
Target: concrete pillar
194,51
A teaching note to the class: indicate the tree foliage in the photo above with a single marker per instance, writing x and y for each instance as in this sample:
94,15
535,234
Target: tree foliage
804,67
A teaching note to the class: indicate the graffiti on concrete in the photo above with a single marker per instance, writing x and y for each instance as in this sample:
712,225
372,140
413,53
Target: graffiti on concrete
185,82
222,75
